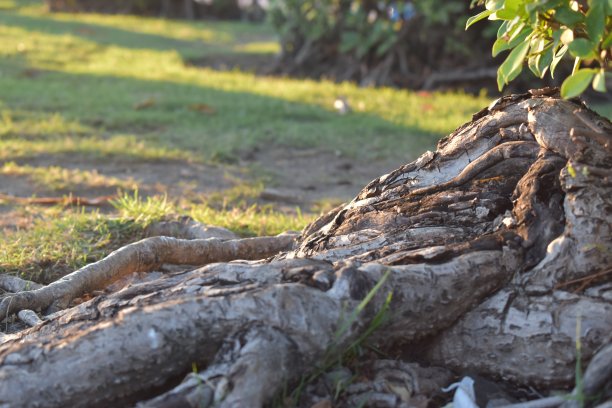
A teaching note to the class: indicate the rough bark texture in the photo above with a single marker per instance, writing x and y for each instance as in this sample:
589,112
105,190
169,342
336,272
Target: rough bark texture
494,248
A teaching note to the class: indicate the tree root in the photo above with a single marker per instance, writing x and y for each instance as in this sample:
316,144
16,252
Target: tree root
235,379
15,284
142,256
188,229
466,276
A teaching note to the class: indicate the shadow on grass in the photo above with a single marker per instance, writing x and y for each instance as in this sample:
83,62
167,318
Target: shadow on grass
100,34
213,35
202,122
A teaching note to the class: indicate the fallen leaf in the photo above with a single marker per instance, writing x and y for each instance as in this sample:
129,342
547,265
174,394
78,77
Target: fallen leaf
145,104
202,108
85,31
30,73
426,107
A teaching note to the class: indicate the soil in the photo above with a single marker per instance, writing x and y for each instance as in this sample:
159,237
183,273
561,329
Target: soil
306,178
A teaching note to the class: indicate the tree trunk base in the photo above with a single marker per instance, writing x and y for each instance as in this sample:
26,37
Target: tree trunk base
490,256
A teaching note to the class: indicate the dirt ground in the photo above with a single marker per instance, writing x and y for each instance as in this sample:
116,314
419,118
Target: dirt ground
304,178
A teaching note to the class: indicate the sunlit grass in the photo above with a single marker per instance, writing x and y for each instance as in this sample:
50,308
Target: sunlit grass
253,220
62,239
33,125
95,69
118,146
238,216
59,178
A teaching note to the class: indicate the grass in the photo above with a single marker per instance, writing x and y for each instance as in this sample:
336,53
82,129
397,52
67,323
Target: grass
65,77
60,239
59,178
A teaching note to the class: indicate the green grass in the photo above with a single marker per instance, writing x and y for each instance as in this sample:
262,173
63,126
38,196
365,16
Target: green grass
70,76
59,178
60,239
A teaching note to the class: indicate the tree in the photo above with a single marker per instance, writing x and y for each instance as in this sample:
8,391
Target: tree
415,44
484,255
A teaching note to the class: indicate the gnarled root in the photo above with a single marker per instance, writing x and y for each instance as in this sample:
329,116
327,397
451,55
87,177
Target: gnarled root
143,256
493,249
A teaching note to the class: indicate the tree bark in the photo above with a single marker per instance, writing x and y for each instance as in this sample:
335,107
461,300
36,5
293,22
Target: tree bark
189,8
496,250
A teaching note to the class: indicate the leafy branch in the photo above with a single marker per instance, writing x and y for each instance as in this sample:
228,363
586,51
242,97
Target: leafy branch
541,33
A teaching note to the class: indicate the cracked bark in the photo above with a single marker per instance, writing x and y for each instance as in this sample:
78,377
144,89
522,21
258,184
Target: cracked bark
481,243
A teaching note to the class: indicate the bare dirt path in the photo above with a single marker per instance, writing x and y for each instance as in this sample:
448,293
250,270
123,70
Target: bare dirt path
291,178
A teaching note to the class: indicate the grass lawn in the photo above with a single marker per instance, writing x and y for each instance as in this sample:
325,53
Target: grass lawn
94,103
124,79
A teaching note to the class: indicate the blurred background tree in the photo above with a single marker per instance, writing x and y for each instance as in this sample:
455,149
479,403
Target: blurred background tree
398,43
419,45
189,9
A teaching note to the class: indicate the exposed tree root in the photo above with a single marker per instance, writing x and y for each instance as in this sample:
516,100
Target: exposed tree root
188,229
14,284
143,256
474,242
236,379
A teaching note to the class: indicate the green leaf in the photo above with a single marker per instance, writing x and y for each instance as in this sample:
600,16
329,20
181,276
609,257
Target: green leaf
595,21
567,16
513,64
575,84
502,45
537,46
607,42
512,5
518,31
532,63
581,47
545,60
512,8
478,17
599,81
498,46
502,30
500,79
504,14
557,58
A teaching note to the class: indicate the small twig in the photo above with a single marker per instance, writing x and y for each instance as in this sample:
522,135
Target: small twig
549,402
68,200
585,279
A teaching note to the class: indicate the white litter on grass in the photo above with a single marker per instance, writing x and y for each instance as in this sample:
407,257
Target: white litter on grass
464,395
